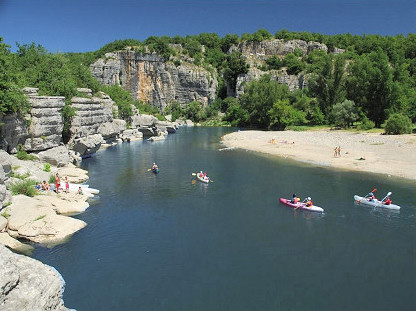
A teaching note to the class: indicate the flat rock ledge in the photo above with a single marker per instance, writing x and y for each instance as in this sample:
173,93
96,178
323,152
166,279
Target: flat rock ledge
29,285
36,220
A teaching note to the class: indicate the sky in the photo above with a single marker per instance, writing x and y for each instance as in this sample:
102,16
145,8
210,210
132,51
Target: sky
87,25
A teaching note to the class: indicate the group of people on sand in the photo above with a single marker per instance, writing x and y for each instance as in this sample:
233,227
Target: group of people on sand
337,151
307,201
45,186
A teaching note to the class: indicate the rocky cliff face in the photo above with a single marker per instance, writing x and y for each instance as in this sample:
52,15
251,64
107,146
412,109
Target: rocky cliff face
150,79
27,284
256,53
40,129
265,49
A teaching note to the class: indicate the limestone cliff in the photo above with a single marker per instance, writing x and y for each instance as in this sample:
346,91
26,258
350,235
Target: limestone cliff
256,53
27,284
40,129
152,80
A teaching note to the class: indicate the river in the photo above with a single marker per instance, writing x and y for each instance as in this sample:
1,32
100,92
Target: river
167,242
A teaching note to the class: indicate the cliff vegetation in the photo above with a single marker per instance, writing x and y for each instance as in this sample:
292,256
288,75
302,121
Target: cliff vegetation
261,80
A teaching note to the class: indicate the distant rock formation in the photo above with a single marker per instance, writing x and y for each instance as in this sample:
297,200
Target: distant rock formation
256,53
152,80
27,284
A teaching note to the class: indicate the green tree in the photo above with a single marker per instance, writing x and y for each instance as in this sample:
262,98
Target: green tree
344,114
195,111
274,63
283,114
122,98
327,82
236,115
261,35
294,64
12,99
235,65
229,40
258,99
370,85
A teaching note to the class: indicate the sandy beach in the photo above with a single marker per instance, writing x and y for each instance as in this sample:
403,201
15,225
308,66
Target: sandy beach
393,155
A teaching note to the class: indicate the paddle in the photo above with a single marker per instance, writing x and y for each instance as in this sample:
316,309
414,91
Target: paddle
388,194
149,169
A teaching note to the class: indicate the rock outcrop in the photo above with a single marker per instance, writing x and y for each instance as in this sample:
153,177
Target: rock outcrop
265,49
27,284
5,170
152,80
36,221
256,53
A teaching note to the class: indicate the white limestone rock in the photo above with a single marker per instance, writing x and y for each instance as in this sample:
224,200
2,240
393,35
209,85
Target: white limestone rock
29,285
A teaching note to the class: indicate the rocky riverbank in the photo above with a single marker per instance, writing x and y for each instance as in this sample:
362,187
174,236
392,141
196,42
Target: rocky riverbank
367,152
27,284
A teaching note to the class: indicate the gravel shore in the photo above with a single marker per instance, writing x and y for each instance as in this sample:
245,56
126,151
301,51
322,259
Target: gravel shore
368,152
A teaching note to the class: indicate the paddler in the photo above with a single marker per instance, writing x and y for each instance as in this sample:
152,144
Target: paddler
294,199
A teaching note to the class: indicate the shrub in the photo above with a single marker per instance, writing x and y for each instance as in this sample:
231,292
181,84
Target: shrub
23,155
52,179
25,187
47,167
20,176
366,124
398,124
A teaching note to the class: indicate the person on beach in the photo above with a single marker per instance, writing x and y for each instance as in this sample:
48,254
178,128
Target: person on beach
66,184
45,186
38,186
339,151
335,152
57,183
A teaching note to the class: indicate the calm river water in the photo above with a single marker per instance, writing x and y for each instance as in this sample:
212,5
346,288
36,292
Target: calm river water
166,243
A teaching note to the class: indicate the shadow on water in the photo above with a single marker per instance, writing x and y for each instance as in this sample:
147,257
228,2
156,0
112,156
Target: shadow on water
169,242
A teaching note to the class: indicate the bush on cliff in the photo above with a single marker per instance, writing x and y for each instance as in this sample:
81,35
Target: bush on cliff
25,187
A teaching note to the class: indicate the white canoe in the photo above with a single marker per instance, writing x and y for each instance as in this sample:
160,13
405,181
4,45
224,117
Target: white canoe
375,203
202,179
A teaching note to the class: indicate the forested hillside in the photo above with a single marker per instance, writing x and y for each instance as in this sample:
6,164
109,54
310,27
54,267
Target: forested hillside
355,81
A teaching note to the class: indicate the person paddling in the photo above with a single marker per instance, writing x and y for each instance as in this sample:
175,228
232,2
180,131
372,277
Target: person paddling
308,202
294,199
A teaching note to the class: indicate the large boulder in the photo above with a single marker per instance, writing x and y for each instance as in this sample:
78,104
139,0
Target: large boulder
131,135
28,285
75,174
14,244
58,156
37,221
142,120
88,145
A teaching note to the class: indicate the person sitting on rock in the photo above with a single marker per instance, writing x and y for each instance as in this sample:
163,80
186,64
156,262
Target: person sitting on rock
45,186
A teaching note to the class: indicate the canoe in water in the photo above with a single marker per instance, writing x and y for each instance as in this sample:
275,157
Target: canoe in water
303,206
202,179
375,203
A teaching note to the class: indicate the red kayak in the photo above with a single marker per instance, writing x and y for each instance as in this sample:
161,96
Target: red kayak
300,205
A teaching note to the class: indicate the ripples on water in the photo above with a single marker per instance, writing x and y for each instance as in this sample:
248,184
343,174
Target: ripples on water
166,242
